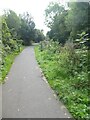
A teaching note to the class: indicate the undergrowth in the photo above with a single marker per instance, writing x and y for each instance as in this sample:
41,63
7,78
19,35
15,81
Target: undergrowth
7,61
66,71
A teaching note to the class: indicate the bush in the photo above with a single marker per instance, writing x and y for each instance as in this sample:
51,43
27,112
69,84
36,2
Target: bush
66,71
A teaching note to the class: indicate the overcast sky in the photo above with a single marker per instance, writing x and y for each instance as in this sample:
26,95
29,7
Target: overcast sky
35,7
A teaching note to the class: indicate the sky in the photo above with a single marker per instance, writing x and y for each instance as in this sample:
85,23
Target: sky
35,7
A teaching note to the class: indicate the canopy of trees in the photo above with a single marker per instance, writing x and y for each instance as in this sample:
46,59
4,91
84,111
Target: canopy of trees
67,23
21,27
15,32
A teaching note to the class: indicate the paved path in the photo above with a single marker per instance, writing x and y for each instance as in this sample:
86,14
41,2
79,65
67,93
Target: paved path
0,102
26,94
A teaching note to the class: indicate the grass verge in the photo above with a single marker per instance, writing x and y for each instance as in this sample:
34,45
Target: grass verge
5,68
75,98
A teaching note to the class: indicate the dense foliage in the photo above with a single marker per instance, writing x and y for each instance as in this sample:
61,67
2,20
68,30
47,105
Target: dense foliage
22,27
65,56
9,47
16,31
66,23
66,71
26,30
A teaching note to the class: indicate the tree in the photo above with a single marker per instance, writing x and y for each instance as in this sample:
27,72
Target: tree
13,22
39,36
66,24
59,31
57,23
77,19
9,44
53,9
5,32
27,30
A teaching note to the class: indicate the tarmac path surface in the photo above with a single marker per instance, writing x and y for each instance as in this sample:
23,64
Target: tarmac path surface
26,95
0,102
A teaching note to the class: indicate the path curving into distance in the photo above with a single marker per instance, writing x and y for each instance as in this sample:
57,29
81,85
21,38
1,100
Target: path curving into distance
26,95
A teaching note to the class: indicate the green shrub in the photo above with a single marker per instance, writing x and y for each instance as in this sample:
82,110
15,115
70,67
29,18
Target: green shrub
65,68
